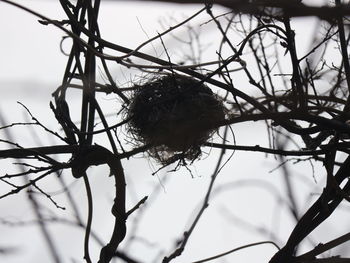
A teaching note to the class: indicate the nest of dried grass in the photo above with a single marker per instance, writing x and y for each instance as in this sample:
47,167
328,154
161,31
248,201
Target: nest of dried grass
175,115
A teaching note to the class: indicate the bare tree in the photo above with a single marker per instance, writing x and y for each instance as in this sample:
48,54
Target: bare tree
172,113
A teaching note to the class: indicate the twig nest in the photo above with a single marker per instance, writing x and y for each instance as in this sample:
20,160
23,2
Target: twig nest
175,115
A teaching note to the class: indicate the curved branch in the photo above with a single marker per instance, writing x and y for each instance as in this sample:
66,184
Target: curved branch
236,249
89,220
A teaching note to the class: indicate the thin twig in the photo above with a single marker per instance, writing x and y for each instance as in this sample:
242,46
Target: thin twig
236,249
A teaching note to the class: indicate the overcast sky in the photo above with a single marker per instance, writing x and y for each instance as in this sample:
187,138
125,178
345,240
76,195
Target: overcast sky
32,66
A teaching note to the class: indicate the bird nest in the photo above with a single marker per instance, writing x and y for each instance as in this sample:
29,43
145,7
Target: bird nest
175,115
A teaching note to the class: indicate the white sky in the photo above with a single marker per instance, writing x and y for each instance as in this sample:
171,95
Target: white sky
32,66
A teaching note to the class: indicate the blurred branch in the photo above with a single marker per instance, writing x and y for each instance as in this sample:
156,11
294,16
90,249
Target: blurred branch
290,8
34,203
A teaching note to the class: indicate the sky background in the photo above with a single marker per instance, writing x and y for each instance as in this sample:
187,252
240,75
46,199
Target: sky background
245,199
